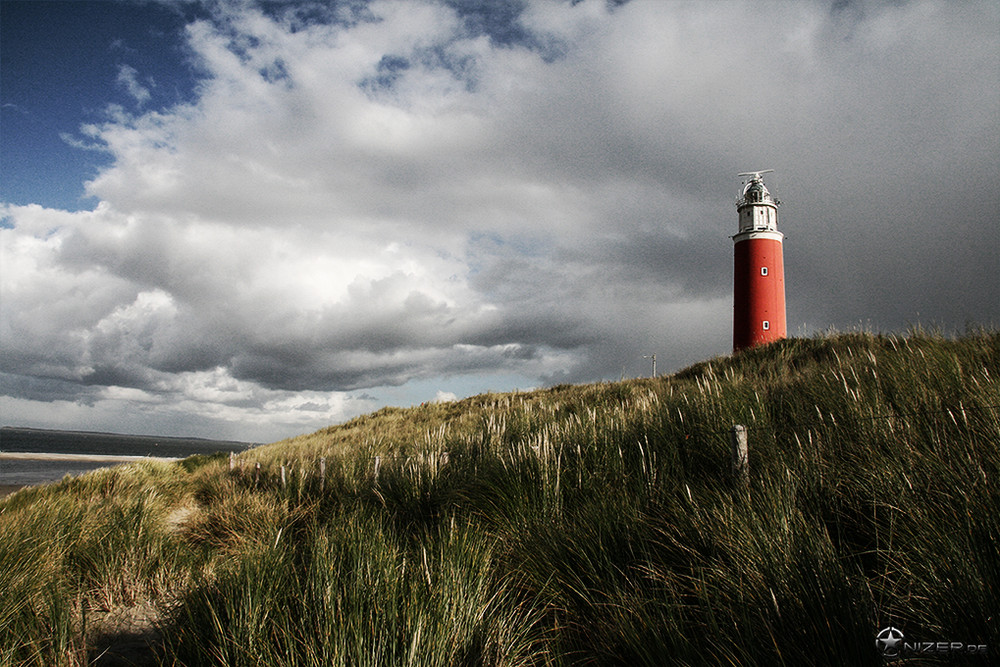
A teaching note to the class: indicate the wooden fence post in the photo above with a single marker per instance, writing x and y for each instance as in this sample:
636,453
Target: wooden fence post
740,454
322,473
232,461
283,482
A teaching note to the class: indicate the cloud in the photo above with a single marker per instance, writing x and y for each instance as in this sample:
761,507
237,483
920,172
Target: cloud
445,397
422,191
128,78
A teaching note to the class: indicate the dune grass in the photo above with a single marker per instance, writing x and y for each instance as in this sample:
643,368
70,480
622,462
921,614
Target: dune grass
593,524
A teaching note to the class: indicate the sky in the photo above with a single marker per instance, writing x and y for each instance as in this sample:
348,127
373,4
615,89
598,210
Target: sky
248,220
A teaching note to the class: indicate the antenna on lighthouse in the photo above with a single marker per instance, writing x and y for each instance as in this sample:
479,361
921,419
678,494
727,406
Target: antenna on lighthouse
755,174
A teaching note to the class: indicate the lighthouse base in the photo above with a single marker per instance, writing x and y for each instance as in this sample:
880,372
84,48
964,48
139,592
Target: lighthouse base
758,291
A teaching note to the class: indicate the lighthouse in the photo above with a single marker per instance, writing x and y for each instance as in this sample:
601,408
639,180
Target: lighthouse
759,270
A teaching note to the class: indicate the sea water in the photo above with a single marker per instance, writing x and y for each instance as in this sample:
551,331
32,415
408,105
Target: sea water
26,472
34,456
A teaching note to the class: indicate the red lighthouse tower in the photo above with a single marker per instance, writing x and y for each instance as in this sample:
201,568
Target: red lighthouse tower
759,275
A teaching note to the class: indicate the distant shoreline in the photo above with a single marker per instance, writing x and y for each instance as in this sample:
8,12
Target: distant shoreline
99,458
29,457
105,436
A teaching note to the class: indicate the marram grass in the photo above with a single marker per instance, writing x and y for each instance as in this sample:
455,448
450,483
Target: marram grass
575,525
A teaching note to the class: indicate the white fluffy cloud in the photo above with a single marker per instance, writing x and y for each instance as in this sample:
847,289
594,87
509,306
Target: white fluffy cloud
353,205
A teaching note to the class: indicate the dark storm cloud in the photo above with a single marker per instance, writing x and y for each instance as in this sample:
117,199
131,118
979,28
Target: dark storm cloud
45,389
691,266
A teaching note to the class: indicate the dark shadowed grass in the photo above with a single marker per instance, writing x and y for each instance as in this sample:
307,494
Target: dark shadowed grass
357,591
589,524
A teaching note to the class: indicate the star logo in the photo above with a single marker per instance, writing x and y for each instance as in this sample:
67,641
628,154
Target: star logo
887,641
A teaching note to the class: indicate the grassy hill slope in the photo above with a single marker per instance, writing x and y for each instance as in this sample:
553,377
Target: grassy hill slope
593,524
